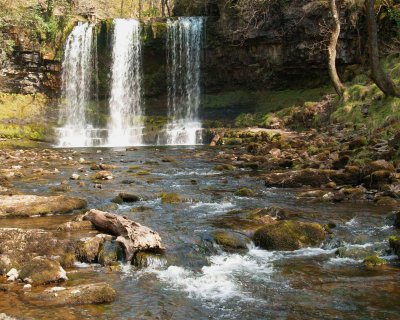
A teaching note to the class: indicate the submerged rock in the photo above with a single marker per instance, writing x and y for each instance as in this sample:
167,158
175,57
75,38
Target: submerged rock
356,253
30,205
76,225
290,235
87,249
126,197
394,243
245,192
171,198
110,253
145,259
42,270
96,293
374,261
231,241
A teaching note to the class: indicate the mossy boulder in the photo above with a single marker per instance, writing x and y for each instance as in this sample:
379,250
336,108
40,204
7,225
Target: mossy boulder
67,260
42,271
171,198
110,253
378,165
231,241
31,205
96,293
374,261
144,259
87,249
126,197
245,192
289,235
224,167
394,243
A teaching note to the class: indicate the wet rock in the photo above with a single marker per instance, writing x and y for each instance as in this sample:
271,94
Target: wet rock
267,215
298,178
394,243
96,293
87,249
397,219
76,225
356,253
378,166
224,167
75,176
357,193
3,316
231,241
378,178
110,253
18,246
340,163
126,197
103,175
289,235
67,260
386,201
30,205
6,264
42,271
245,192
171,198
374,261
144,259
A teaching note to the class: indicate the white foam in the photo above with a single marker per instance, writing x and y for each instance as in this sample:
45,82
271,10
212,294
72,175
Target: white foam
221,280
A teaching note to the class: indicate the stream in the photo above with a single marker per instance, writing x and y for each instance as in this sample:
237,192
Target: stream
198,280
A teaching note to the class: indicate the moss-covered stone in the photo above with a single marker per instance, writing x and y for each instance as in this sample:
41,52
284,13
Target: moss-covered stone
374,261
289,235
394,242
110,253
42,271
245,192
171,198
143,259
224,167
231,241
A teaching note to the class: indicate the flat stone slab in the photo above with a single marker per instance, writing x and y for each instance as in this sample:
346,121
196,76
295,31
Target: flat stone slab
96,293
30,205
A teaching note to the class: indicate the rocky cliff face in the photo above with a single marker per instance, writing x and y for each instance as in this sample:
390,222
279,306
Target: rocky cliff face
285,51
26,70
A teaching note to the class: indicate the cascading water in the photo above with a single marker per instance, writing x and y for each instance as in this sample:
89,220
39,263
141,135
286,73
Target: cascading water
126,123
77,80
184,60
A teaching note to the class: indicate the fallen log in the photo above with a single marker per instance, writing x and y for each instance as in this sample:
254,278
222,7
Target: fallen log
133,236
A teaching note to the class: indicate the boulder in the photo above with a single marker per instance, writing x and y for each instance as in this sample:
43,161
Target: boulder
42,270
143,259
374,261
397,219
103,175
394,243
19,246
96,293
289,235
377,166
87,249
30,205
298,178
110,253
231,241
126,197
171,198
245,192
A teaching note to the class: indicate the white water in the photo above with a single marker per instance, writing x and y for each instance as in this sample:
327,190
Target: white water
77,79
184,40
126,123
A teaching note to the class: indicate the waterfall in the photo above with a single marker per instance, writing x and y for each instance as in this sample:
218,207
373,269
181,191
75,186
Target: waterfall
184,41
77,84
126,123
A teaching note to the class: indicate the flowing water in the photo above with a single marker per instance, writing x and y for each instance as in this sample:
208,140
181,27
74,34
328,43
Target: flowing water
78,67
184,44
197,280
126,123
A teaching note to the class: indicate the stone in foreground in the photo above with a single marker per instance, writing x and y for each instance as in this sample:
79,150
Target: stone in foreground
31,205
96,293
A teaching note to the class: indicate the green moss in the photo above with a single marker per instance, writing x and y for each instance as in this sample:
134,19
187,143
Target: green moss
245,192
374,261
224,167
171,198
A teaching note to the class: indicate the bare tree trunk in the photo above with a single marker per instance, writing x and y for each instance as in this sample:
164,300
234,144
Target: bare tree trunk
338,85
163,8
140,9
168,8
378,75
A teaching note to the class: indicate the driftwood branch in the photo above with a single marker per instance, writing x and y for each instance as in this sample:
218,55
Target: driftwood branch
133,236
